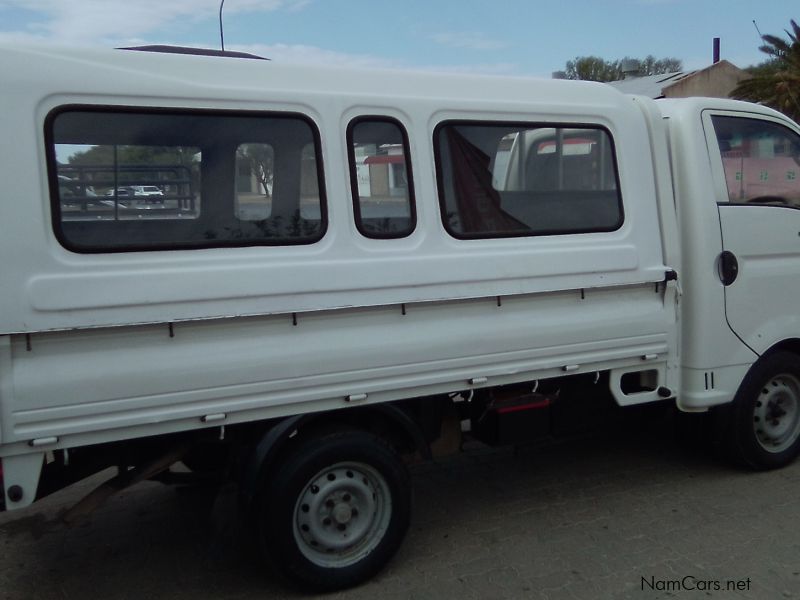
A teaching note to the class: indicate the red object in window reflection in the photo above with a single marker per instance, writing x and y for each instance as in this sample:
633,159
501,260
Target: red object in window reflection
385,159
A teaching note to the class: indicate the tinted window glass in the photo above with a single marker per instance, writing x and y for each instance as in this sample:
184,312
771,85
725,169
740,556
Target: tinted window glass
380,175
761,160
255,173
137,180
515,180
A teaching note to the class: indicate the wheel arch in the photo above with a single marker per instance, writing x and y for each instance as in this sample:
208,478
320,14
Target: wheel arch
791,345
772,379
398,427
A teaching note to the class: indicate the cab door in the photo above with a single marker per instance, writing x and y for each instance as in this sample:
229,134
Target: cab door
756,165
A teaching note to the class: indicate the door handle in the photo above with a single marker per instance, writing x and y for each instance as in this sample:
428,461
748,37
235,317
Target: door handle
728,267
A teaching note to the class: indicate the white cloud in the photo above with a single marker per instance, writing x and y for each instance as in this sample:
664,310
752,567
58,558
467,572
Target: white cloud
93,22
467,39
303,54
109,23
297,5
500,68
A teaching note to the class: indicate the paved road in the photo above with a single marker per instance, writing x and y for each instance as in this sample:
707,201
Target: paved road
610,517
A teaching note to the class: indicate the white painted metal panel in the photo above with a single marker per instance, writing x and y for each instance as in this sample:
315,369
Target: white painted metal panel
707,342
489,312
112,380
52,288
761,304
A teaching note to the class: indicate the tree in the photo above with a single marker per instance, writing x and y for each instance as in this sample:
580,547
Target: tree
776,82
650,65
594,68
173,168
134,155
767,67
260,159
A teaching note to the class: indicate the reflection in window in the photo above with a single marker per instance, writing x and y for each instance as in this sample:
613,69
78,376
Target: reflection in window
515,180
255,169
139,180
380,174
118,182
761,160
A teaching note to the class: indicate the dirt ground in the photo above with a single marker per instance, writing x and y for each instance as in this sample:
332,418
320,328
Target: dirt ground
639,515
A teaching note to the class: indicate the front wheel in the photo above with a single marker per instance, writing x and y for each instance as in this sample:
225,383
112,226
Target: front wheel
336,510
766,413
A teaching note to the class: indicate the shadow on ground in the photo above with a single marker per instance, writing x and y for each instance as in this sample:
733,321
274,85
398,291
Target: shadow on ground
602,516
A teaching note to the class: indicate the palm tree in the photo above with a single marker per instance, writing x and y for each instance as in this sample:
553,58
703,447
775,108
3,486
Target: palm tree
777,82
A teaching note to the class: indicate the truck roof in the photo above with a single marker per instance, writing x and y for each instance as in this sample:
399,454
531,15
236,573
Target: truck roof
100,71
673,107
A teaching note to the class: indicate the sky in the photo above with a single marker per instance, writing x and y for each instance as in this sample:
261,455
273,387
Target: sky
509,37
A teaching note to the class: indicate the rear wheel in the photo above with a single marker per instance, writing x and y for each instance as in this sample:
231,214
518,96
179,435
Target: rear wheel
766,413
335,510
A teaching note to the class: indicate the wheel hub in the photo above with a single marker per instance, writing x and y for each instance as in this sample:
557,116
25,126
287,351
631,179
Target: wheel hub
776,418
342,514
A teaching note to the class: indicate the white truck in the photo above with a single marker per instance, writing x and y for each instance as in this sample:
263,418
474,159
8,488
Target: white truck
346,266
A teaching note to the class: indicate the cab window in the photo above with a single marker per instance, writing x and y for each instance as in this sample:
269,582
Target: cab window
761,160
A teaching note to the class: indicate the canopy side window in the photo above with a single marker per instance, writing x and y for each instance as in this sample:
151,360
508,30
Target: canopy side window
508,179
140,179
381,177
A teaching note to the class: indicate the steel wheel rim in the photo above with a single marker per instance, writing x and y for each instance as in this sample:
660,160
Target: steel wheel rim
342,514
776,416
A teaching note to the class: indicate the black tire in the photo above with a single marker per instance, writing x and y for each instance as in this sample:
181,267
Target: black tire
335,510
764,429
207,458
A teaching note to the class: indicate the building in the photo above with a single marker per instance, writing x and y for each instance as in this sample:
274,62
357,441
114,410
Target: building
716,81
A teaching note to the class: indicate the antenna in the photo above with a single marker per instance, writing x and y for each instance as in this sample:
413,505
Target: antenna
754,25
222,35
